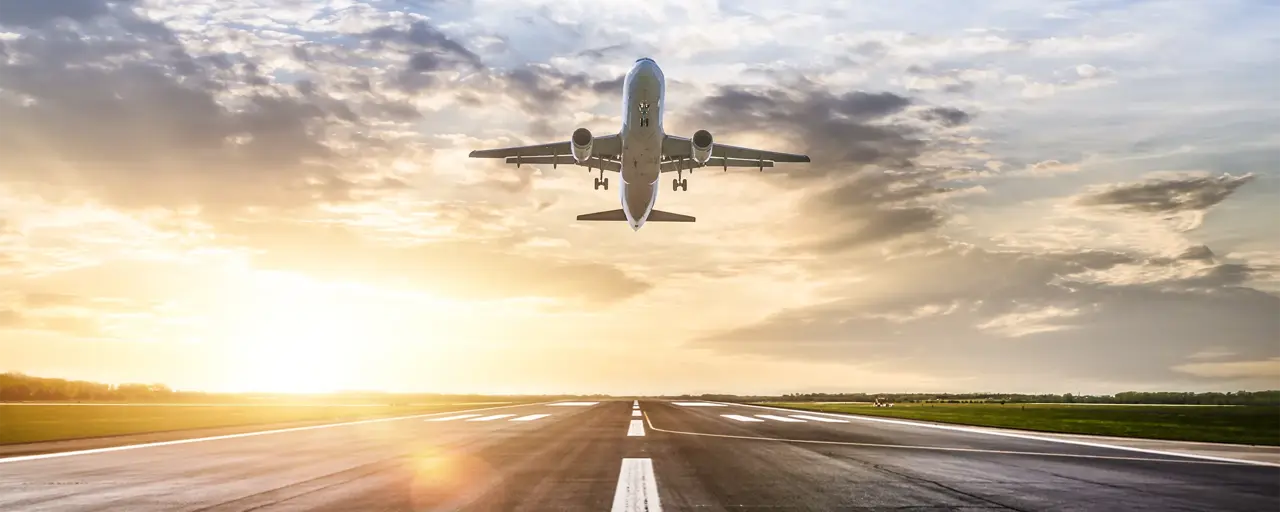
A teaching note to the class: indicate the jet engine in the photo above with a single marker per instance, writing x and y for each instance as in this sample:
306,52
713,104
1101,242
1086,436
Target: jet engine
701,143
581,144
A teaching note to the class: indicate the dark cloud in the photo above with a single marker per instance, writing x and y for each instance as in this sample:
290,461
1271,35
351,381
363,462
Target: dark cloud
1198,252
604,52
867,188
946,116
426,39
965,311
137,121
35,13
1169,195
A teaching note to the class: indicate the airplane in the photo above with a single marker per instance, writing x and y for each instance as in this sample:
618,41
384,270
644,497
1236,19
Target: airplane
640,152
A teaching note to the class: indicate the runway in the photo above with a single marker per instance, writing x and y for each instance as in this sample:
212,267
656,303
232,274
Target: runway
606,456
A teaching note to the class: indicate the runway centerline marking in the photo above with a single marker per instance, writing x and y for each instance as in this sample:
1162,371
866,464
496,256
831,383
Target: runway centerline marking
779,418
23,458
973,430
530,417
451,418
636,428
636,413
742,418
649,420
491,418
637,487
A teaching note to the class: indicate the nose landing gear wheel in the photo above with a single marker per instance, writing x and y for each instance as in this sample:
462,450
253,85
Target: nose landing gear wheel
675,184
684,185
678,184
606,183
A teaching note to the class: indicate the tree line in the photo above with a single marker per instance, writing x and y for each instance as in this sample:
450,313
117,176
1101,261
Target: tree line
1269,397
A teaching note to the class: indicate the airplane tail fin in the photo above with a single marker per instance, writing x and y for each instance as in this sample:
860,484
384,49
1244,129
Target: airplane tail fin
654,216
661,216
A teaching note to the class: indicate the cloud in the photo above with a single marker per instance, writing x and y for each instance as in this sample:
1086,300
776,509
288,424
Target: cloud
461,269
1268,369
946,116
1169,195
35,14
964,310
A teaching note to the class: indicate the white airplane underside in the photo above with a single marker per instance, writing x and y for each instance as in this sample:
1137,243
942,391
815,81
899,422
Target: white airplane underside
640,152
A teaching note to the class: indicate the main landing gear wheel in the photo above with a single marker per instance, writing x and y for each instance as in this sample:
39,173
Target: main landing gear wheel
679,184
602,183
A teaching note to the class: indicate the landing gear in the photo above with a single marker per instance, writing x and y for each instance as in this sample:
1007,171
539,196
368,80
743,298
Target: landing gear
679,182
602,181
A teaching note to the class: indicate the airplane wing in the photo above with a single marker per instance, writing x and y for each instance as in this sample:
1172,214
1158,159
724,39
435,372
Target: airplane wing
686,163
678,147
604,150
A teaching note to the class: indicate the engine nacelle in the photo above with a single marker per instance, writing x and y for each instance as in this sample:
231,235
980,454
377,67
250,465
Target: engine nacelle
581,144
701,143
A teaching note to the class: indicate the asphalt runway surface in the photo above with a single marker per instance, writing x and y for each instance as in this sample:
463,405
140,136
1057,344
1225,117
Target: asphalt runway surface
616,455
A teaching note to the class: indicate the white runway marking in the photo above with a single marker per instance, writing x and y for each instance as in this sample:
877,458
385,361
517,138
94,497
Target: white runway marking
698,404
530,417
491,418
635,414
635,403
234,436
818,418
779,418
637,488
958,450
572,404
635,407
451,418
740,417
636,428
1040,438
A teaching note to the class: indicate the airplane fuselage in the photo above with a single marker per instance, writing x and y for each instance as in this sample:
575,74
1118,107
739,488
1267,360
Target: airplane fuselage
643,92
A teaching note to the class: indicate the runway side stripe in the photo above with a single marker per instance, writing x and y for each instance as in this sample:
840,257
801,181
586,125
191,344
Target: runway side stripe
530,417
451,418
491,418
742,418
698,404
818,418
637,488
636,428
946,448
55,455
779,418
959,428
635,414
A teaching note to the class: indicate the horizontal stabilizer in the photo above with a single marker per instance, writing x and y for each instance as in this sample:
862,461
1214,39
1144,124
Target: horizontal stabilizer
609,215
661,216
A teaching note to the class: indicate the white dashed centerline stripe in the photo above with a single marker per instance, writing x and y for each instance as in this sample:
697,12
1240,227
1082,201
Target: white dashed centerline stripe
637,488
742,418
530,417
491,418
775,418
636,428
451,418
635,414
818,418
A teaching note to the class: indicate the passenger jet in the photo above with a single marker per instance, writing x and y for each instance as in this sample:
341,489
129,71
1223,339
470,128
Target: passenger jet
640,152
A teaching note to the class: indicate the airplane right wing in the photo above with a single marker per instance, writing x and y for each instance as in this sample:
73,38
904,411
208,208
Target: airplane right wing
605,151
679,148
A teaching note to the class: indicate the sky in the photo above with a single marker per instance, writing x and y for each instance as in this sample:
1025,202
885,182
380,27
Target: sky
1050,196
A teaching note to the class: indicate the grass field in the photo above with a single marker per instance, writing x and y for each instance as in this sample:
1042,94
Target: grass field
1228,424
23,423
